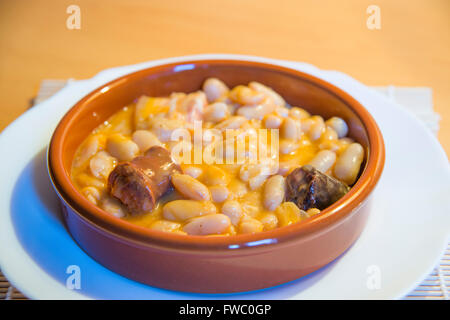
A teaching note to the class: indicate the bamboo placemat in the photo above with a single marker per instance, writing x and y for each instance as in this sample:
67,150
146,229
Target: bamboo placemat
417,100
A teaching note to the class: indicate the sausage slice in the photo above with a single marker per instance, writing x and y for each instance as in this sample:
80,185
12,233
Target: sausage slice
139,183
309,188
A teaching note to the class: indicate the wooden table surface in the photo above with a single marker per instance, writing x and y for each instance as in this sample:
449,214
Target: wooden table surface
412,48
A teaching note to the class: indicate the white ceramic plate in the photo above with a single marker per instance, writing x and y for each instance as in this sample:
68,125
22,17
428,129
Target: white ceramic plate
404,238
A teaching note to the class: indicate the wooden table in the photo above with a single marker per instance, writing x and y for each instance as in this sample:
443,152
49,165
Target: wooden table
412,48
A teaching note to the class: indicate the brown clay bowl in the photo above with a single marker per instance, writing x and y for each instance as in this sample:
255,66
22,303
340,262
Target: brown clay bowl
215,264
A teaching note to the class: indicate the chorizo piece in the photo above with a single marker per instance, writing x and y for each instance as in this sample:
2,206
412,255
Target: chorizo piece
309,188
139,183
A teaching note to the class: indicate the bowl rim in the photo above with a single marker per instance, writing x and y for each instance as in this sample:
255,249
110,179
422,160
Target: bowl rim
128,231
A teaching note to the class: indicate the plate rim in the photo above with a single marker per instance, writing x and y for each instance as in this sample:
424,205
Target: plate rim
111,73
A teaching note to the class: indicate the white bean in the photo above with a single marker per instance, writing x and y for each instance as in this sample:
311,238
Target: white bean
234,122
216,112
163,128
166,226
214,89
339,125
298,113
180,150
180,210
272,121
285,166
193,106
349,162
140,114
346,140
92,194
329,134
233,210
247,151
87,180
306,124
113,207
245,172
268,92
219,193
102,164
257,181
245,96
175,100
209,224
329,140
290,129
282,111
121,148
256,112
317,127
323,160
274,191
213,176
250,170
194,172
145,139
190,187
288,146
88,149
269,220
250,225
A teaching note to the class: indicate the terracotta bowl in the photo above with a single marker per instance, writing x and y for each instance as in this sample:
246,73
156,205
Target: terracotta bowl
215,264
